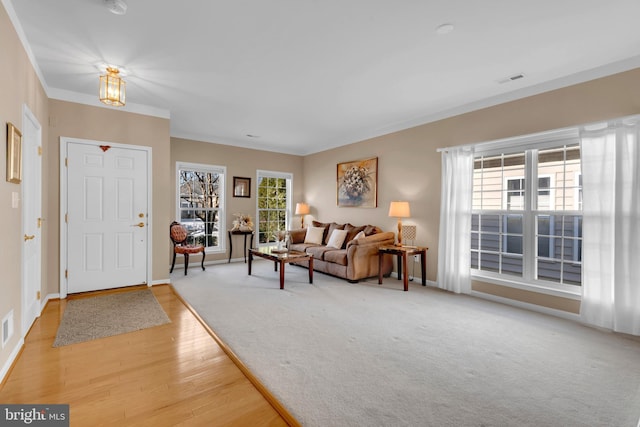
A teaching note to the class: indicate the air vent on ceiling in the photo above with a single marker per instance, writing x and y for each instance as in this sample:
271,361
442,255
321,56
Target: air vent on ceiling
511,78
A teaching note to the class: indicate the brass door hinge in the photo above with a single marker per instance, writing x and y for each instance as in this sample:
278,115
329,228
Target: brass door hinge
38,296
66,274
39,150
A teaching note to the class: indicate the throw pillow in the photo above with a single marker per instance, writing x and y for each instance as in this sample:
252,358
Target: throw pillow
353,230
360,235
324,225
336,239
314,235
332,226
370,229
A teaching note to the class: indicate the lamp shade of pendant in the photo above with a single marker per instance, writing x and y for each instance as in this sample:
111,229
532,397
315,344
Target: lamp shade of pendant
112,88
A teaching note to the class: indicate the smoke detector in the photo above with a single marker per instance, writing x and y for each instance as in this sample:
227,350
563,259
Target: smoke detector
117,7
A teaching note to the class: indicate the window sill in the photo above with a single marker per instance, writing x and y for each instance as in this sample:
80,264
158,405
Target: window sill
574,294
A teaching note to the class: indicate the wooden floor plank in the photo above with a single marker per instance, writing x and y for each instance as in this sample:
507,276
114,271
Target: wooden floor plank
172,374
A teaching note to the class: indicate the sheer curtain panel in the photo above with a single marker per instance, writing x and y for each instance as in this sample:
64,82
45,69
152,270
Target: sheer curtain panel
454,263
611,226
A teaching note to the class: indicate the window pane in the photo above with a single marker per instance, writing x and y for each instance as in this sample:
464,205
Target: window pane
489,262
475,222
514,244
513,224
490,223
474,260
572,274
490,242
474,240
549,270
545,249
512,265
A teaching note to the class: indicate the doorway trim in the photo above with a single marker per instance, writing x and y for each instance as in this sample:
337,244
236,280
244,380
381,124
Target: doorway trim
64,142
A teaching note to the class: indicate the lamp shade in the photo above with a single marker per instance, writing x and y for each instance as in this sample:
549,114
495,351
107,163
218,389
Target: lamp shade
399,210
302,209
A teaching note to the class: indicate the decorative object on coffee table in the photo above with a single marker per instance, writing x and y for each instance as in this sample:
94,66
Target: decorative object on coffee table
357,183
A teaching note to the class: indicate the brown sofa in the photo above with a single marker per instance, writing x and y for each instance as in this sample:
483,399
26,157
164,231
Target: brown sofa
356,259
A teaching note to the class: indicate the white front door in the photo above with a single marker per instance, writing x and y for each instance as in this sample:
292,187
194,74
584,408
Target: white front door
31,218
107,213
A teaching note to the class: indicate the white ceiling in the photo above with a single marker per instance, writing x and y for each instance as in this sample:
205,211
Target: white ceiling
308,75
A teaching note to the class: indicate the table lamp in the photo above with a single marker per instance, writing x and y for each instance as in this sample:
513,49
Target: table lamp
302,209
399,210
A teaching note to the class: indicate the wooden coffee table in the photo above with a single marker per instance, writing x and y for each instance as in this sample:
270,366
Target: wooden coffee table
281,258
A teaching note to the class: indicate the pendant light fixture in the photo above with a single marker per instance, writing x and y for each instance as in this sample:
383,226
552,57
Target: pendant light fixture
112,88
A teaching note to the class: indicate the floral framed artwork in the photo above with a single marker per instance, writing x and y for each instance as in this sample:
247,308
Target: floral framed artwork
14,154
241,187
357,183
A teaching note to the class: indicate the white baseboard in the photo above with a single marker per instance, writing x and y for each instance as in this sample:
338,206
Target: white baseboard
46,300
11,359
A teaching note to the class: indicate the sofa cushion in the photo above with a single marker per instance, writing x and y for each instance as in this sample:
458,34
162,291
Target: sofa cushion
337,239
319,252
301,247
314,235
337,257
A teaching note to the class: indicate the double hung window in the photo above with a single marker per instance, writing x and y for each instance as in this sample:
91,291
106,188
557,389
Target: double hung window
526,217
274,204
200,190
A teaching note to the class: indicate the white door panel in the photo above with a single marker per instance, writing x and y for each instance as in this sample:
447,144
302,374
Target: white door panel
31,219
107,217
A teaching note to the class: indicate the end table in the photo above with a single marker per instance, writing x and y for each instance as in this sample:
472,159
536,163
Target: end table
402,253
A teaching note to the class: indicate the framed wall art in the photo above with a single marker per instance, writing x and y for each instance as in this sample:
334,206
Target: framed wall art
357,183
241,187
14,154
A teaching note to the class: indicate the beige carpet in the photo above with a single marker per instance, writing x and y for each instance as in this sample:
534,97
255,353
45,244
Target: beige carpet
338,354
104,316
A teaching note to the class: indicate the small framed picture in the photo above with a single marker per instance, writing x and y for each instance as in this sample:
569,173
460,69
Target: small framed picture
14,154
241,187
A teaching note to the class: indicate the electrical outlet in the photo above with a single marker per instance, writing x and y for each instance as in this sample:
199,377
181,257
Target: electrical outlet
416,258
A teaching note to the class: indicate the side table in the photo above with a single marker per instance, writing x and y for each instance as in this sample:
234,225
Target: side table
402,253
244,233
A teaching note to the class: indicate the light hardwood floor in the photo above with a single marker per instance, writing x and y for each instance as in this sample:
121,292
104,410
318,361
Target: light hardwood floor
173,374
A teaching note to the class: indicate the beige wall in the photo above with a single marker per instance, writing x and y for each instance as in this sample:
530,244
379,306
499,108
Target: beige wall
73,120
409,166
19,85
241,162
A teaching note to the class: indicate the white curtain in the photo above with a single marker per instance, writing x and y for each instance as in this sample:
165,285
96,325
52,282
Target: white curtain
611,226
454,246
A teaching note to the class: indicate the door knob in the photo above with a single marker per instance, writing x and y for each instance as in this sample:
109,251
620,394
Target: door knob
140,224
33,236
